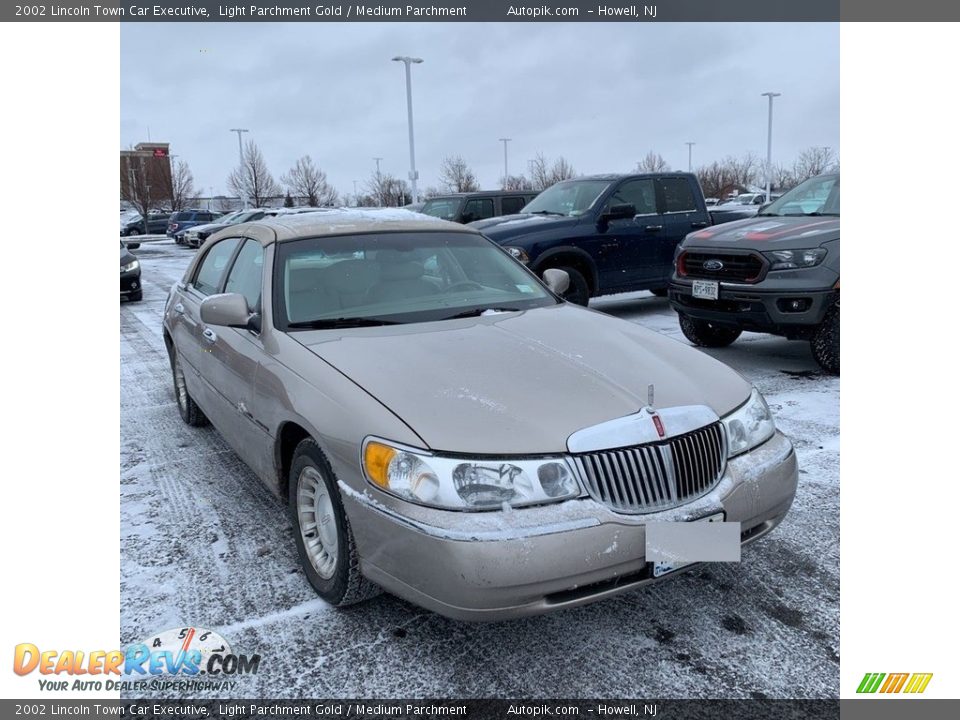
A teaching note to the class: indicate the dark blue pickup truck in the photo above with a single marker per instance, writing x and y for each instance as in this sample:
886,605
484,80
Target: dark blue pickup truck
610,233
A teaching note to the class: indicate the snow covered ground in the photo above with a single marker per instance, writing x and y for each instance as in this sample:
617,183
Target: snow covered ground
205,544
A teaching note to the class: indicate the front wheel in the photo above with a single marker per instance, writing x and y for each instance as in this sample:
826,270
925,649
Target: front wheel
132,231
707,334
579,291
322,531
825,343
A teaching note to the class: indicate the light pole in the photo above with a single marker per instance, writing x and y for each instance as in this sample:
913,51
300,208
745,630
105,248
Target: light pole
355,197
770,96
239,132
406,60
690,156
379,183
506,173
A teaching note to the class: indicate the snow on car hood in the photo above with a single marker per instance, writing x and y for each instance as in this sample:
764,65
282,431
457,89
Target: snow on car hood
508,226
522,382
762,232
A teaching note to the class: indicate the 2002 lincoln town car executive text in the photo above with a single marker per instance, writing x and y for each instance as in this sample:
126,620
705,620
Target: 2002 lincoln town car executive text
446,428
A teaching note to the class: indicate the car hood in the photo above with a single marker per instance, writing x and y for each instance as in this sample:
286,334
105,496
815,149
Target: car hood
210,228
523,382
761,233
502,228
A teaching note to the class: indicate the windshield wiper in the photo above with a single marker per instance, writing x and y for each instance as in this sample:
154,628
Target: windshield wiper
547,212
822,214
476,312
331,323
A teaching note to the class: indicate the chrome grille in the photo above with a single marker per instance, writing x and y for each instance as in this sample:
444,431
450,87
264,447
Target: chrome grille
648,478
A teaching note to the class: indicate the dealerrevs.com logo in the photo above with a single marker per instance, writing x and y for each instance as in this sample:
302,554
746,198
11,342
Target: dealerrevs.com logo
184,653
911,683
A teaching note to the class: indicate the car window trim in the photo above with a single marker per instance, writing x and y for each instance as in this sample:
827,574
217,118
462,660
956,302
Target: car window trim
191,283
233,263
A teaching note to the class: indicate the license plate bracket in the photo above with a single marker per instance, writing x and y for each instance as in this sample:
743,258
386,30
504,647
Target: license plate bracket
661,568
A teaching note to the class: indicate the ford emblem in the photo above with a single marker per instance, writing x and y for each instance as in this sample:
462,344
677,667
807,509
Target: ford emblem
713,265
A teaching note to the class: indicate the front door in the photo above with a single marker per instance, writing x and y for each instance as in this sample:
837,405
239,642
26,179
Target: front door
630,247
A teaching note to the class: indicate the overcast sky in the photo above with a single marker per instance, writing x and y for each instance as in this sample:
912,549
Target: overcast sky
600,94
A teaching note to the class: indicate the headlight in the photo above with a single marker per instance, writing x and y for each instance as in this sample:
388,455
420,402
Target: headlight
795,259
467,484
130,266
749,425
519,253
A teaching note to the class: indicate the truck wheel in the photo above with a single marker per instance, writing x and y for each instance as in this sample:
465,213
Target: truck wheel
706,334
579,291
322,531
826,342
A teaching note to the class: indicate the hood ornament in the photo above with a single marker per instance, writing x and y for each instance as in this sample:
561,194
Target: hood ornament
657,422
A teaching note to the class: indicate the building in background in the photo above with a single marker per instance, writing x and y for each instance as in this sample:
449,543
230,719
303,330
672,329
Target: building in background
146,180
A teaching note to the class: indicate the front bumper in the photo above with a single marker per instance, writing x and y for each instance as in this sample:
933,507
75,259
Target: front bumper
752,308
500,565
130,283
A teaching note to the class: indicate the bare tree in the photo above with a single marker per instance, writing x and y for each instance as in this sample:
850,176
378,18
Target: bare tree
431,192
252,179
652,162
782,177
180,192
307,180
714,179
137,186
457,176
814,161
387,191
744,170
515,182
543,175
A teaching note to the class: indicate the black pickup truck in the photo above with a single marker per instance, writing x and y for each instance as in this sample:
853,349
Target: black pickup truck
778,272
610,233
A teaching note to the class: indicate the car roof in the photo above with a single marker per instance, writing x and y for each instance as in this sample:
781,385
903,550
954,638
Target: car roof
343,221
482,193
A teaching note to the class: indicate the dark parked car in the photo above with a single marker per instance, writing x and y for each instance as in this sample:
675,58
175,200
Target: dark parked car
473,206
130,287
156,225
778,272
609,233
195,235
184,219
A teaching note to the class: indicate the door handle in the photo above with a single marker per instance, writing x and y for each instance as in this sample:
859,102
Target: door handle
209,335
178,308
698,224
653,228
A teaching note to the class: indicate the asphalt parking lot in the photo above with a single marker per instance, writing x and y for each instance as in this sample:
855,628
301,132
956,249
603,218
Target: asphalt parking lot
205,544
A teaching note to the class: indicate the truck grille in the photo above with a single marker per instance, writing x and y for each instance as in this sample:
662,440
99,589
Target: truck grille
649,478
745,268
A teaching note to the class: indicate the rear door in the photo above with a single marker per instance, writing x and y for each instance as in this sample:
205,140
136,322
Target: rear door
187,330
681,215
231,361
477,209
512,204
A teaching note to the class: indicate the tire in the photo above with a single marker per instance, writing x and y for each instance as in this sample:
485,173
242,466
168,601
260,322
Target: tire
135,297
707,334
132,231
825,344
659,292
190,412
332,565
579,291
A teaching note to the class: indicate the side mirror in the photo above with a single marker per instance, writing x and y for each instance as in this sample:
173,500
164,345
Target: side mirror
620,212
467,218
132,245
226,309
557,280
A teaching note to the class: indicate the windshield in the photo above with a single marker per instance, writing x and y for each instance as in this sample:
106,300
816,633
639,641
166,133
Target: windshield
387,278
443,208
817,196
573,197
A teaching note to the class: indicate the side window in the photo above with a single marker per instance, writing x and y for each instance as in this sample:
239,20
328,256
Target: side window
478,208
213,265
246,275
639,193
512,205
677,195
